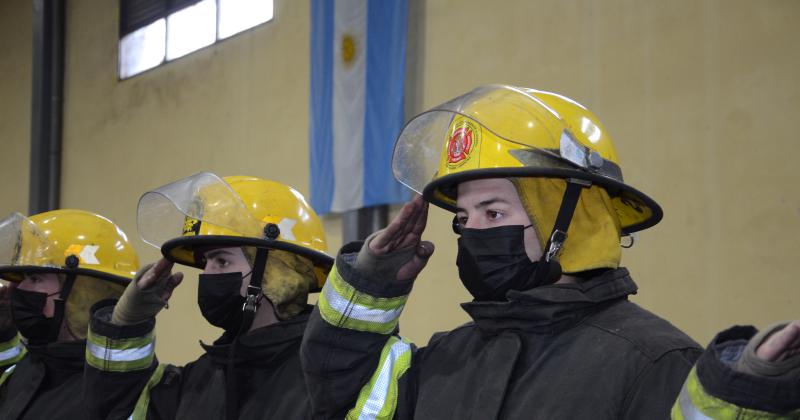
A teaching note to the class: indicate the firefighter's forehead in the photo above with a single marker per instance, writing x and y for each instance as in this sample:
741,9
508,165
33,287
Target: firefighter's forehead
482,192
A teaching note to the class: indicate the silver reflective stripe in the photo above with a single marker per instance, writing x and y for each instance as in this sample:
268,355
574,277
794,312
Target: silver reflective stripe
689,411
115,355
379,392
356,311
11,353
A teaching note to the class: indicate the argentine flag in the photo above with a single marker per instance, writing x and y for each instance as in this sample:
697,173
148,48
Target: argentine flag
358,58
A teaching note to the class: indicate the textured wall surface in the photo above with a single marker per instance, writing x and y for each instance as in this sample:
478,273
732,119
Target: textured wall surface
16,41
701,98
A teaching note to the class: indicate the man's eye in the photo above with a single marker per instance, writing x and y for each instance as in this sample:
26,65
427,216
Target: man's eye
493,215
462,220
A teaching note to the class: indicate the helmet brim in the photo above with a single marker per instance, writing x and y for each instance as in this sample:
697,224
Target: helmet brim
441,192
172,248
16,273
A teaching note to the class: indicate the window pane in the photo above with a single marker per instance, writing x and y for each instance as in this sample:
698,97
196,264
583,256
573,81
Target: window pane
191,28
237,15
142,49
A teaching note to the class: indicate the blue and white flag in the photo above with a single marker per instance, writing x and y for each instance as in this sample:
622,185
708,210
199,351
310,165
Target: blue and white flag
358,58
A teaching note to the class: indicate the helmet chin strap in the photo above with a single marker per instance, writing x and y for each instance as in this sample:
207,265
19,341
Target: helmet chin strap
60,302
252,302
254,291
549,269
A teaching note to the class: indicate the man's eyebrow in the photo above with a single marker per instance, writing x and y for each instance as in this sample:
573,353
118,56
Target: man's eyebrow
486,203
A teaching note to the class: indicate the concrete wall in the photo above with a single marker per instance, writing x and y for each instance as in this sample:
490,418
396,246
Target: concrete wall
700,97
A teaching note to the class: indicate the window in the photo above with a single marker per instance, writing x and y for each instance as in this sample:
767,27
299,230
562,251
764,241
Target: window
153,32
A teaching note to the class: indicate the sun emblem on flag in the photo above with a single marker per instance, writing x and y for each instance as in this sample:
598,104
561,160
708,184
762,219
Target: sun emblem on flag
348,49
461,144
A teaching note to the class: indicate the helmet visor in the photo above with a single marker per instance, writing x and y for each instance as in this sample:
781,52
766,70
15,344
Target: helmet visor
200,204
22,243
493,126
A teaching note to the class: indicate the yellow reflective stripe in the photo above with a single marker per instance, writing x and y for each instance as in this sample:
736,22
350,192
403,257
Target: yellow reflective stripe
378,398
140,411
9,370
695,404
343,306
12,351
120,355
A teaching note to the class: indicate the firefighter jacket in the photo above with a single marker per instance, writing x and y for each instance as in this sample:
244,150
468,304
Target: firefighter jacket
44,382
124,379
564,351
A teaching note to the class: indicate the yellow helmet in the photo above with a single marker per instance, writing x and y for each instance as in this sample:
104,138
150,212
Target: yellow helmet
91,255
505,131
68,242
204,210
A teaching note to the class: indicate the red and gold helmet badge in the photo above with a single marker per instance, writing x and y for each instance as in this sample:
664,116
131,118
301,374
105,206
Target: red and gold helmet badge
464,139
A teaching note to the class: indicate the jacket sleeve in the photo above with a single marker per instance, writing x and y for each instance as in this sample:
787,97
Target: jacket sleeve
120,365
11,352
355,364
11,349
715,389
658,386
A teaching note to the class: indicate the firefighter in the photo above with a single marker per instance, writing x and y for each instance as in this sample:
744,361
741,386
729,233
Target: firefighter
540,209
262,251
58,264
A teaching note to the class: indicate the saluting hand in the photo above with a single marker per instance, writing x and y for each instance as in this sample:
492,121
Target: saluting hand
782,344
403,232
161,275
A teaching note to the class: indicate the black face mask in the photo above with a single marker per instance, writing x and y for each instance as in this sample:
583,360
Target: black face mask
220,299
493,261
27,309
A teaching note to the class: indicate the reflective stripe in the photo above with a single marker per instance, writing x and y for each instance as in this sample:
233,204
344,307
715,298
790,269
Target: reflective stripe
343,306
142,404
356,311
378,398
127,355
120,355
695,404
6,374
687,410
11,351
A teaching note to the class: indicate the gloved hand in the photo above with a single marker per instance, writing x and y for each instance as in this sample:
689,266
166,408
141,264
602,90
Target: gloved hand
773,352
147,294
398,253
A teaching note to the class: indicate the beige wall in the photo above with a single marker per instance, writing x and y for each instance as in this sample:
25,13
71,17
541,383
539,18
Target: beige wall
15,103
700,96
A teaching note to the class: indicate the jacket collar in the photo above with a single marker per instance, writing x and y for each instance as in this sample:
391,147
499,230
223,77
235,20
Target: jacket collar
553,308
61,360
261,347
